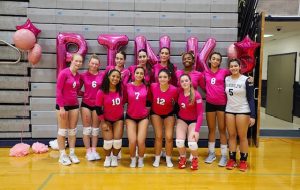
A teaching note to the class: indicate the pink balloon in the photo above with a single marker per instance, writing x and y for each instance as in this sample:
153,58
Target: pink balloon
62,55
139,43
206,50
35,54
24,39
246,50
153,59
28,25
164,41
112,43
232,52
192,45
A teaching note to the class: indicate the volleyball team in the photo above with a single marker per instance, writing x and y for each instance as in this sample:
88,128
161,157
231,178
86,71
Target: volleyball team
161,94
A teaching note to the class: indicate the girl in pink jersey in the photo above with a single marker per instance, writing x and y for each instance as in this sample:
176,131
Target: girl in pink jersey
142,62
120,66
189,121
163,98
67,109
240,113
188,61
91,80
137,116
165,63
109,107
215,107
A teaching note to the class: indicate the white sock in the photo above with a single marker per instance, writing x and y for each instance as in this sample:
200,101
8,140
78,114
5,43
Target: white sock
72,150
211,146
62,152
224,149
133,162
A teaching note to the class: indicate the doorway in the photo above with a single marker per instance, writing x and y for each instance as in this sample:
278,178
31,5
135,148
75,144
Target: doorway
280,91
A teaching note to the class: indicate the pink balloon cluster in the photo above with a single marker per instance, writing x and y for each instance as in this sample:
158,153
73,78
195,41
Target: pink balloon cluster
25,39
244,51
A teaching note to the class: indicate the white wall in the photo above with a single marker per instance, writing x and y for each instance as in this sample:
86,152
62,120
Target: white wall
287,45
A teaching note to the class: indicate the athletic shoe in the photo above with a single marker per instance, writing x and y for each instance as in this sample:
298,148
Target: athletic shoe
231,164
182,162
114,161
90,156
210,158
194,164
64,160
96,155
243,166
156,162
223,161
169,162
140,162
74,158
133,162
107,161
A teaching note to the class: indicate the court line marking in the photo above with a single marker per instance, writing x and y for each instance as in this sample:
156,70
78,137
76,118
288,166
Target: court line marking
50,176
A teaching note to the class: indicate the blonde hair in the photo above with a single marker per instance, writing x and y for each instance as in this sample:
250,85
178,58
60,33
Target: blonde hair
76,54
94,56
192,90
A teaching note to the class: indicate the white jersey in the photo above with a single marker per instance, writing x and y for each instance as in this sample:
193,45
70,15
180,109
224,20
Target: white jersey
236,95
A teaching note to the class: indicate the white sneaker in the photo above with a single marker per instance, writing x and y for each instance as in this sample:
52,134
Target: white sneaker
107,161
210,158
90,156
140,162
74,158
96,156
133,162
114,161
64,160
169,162
156,161
223,161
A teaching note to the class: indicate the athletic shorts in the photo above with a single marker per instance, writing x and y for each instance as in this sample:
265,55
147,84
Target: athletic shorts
188,122
113,122
163,116
213,108
247,113
68,108
91,108
136,120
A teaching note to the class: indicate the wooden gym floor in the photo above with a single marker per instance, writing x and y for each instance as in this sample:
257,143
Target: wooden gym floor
274,165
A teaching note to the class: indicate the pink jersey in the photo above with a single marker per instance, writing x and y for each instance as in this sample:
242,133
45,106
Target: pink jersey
215,86
196,77
189,111
112,105
157,67
136,98
148,76
91,84
67,87
125,74
163,102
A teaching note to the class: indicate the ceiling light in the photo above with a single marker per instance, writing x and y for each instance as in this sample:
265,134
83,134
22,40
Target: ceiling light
268,35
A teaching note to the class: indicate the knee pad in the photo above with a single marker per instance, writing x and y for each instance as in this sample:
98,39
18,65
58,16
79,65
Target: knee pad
107,144
87,131
193,145
72,132
62,132
117,144
180,143
95,131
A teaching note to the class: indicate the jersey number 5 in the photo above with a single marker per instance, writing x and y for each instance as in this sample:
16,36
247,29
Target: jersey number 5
230,91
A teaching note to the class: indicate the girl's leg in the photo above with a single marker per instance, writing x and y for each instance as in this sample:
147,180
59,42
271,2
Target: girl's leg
132,136
141,138
169,124
73,119
211,122
157,124
223,138
95,134
232,132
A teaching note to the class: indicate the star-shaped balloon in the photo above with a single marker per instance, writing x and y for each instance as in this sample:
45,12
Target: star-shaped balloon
246,50
247,46
29,26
